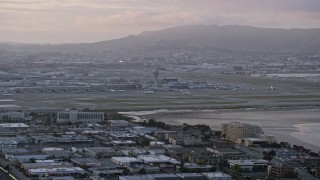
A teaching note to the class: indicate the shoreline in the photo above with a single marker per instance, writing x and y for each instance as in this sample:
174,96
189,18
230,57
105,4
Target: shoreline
308,132
285,123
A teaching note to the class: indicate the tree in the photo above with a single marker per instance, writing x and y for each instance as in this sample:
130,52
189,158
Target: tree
271,177
184,169
7,167
32,160
142,171
86,110
126,171
237,168
269,155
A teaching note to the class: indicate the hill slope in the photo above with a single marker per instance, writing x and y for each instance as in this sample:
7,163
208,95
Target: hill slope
231,37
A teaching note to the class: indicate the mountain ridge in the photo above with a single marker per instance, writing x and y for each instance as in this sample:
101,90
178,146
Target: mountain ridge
228,37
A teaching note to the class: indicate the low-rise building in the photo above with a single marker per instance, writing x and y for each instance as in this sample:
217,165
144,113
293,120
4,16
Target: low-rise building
124,136
226,152
12,116
248,165
157,159
25,157
251,141
217,176
58,153
87,162
136,168
186,141
13,126
287,153
63,139
45,164
164,134
102,152
261,139
132,151
56,171
80,117
118,123
155,149
6,143
268,138
310,161
281,170
192,176
151,177
123,143
192,167
139,130
125,161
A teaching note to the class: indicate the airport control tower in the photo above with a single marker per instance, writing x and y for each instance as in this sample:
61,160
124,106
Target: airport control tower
156,77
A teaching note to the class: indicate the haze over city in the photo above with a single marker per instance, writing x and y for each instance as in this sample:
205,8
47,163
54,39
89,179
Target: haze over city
69,21
159,89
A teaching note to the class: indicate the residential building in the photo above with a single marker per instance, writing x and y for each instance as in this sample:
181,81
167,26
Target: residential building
186,141
156,159
88,162
125,161
281,170
235,130
118,123
217,176
56,171
102,151
248,165
192,176
226,152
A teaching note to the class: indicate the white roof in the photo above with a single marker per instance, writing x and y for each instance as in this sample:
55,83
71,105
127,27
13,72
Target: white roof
125,159
216,174
248,162
157,159
52,149
13,125
45,161
123,142
56,170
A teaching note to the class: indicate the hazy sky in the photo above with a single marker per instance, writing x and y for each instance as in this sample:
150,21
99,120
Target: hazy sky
58,21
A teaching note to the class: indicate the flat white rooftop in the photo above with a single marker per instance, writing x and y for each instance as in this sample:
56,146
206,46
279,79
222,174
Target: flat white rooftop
125,159
249,162
74,170
157,159
123,142
216,174
14,125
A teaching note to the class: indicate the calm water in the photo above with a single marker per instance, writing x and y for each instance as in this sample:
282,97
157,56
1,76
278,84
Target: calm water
309,133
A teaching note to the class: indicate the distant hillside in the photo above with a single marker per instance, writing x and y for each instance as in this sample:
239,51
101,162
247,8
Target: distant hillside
231,38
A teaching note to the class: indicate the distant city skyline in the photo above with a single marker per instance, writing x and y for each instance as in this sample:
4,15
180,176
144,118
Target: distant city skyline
72,21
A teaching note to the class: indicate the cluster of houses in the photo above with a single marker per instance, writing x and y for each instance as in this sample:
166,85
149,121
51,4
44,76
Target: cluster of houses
89,145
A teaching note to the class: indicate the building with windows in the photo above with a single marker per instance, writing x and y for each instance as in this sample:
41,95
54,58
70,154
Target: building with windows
249,165
235,130
11,116
217,176
80,117
281,170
